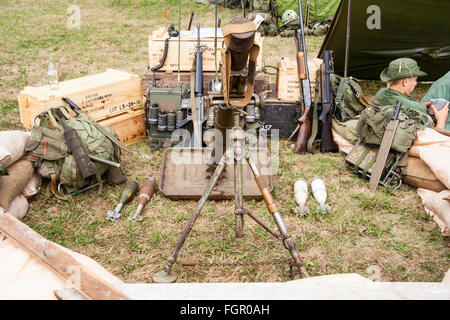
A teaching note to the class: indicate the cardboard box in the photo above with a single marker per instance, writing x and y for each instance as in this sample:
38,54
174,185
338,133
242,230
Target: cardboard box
100,95
288,85
188,49
129,126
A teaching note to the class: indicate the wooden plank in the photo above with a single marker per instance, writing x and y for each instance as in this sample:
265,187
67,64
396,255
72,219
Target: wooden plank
100,96
60,262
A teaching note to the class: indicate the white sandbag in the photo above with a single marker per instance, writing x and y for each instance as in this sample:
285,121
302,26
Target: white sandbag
19,207
344,145
12,146
428,137
437,205
33,186
438,159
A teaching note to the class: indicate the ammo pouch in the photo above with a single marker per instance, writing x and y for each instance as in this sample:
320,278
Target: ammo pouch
372,125
48,144
348,99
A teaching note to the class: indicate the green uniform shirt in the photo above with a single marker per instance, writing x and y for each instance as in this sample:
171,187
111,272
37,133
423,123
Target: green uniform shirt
440,89
389,97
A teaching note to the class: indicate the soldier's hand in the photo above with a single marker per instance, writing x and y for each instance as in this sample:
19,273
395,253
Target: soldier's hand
441,115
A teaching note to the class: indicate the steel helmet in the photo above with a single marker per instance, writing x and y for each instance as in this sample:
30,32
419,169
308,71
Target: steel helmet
288,16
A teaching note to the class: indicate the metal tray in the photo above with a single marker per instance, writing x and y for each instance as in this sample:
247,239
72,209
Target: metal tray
183,178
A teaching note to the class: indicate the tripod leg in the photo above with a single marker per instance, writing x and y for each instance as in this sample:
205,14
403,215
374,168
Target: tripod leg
238,196
288,241
166,275
239,157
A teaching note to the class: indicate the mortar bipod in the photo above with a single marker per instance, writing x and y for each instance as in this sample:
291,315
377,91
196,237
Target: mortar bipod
240,156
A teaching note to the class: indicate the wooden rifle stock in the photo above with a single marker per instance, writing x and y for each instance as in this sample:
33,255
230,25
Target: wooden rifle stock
327,143
304,122
304,132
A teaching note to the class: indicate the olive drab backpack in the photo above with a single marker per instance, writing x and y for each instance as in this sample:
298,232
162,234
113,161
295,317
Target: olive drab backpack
348,99
370,129
373,121
48,145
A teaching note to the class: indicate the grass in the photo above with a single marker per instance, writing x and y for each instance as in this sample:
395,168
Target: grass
388,233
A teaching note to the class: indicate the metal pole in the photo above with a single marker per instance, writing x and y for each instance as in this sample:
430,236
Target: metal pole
347,40
179,40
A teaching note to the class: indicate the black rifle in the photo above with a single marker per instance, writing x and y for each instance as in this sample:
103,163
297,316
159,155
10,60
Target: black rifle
327,143
304,133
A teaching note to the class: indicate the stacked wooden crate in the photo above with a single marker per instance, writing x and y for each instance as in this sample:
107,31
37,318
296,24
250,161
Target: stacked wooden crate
188,49
288,85
112,98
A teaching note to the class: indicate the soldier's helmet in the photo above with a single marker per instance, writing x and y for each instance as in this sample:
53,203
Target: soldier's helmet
288,17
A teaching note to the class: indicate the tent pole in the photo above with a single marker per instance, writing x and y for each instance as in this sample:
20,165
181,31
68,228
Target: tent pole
347,40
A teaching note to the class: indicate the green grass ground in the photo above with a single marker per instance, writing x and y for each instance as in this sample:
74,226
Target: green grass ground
386,234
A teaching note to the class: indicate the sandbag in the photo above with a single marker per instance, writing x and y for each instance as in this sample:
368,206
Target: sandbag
32,186
19,207
440,207
12,146
419,175
346,130
428,137
438,159
344,145
12,185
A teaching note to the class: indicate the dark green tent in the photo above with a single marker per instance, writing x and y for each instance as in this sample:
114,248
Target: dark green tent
407,28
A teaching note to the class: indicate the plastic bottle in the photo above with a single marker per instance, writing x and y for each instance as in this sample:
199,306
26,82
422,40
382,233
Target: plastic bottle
52,75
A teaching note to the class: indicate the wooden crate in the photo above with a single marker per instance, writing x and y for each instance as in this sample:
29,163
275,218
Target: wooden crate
188,49
129,126
288,85
100,95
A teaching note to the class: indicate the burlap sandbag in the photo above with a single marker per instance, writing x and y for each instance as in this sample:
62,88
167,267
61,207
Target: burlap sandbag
12,185
418,174
19,207
436,203
438,159
12,146
344,145
32,186
428,137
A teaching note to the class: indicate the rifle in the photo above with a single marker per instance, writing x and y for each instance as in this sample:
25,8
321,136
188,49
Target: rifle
303,75
197,107
327,143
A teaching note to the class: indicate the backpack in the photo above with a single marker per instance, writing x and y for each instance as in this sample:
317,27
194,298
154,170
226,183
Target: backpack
48,145
348,99
263,5
372,125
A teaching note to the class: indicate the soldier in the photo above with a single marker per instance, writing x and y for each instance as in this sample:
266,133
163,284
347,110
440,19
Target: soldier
440,89
401,77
